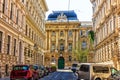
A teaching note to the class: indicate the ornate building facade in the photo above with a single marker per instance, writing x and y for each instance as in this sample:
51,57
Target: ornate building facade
35,36
22,31
63,32
106,23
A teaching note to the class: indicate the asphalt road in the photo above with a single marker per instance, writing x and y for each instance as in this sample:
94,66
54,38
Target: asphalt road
61,75
58,75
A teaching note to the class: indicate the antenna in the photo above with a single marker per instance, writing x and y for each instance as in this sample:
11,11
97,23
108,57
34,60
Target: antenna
68,9
68,5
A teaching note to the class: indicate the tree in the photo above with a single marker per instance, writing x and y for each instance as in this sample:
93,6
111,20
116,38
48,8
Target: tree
80,54
91,36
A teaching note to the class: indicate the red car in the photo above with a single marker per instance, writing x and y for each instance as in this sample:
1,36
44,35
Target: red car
20,72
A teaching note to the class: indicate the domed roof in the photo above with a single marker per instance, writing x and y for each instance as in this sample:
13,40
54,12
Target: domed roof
70,15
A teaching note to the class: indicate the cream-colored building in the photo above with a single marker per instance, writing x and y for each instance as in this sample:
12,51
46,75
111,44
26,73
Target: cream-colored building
63,32
22,33
34,40
106,23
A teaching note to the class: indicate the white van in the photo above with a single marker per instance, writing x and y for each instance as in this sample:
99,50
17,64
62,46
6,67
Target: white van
93,71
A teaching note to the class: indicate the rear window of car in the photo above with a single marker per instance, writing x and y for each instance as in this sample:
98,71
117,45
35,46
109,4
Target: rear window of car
20,68
100,69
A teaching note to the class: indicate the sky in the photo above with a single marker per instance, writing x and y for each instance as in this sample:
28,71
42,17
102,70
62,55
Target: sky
83,8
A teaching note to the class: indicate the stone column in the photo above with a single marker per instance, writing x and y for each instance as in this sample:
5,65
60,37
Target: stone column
73,39
66,40
49,32
57,36
77,35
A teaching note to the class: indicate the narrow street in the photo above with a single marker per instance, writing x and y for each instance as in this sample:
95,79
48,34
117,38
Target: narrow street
58,75
61,75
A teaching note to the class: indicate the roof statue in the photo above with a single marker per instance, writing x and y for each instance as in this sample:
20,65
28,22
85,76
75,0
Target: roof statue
62,16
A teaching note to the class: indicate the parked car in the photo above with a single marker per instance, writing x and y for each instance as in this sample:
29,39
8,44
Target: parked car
75,67
20,72
115,74
93,71
42,71
36,72
25,72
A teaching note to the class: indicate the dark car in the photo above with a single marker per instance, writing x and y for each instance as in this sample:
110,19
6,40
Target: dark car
36,72
21,72
75,67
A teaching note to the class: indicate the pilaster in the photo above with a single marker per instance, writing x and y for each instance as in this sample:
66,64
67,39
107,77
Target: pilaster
57,38
66,40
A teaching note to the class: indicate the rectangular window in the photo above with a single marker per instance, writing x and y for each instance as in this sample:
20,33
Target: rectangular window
26,30
81,33
8,45
53,33
61,47
14,47
32,35
29,32
3,10
70,47
53,47
1,41
22,22
84,45
61,33
11,11
17,17
69,33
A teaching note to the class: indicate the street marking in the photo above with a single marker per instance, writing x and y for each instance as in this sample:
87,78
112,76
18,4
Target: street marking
57,75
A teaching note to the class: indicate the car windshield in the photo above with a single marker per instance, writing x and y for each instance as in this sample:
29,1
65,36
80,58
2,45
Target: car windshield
20,68
100,69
